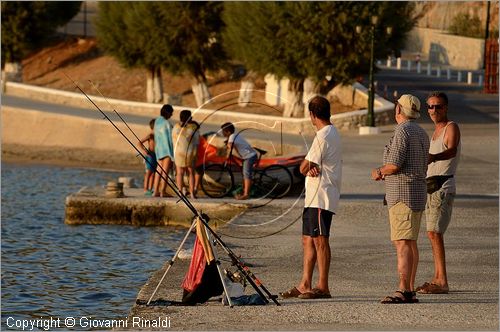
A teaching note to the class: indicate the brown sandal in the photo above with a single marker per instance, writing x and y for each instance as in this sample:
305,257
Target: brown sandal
432,289
292,292
315,294
424,285
407,297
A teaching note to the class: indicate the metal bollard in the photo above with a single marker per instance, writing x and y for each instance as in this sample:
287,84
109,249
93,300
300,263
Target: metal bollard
389,62
398,63
419,67
408,65
459,76
438,72
469,77
480,80
428,69
448,73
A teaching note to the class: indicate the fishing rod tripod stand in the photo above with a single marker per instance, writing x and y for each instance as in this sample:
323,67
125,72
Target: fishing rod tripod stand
198,218
213,240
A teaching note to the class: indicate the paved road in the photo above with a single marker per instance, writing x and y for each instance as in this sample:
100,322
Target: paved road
467,103
92,113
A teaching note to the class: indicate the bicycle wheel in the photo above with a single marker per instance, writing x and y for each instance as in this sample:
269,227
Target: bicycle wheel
217,181
276,180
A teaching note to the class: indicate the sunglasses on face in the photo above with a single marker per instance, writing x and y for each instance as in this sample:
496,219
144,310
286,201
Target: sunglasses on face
436,107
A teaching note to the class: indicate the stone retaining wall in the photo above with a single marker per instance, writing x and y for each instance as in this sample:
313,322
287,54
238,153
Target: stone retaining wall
344,121
442,48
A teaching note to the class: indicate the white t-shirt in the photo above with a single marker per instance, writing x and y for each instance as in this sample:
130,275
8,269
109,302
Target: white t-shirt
244,149
323,191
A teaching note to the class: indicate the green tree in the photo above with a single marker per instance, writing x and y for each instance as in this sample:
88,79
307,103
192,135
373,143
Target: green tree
120,34
27,25
465,25
180,37
312,40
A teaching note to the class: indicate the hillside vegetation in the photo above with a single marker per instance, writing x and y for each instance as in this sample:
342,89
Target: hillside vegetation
82,60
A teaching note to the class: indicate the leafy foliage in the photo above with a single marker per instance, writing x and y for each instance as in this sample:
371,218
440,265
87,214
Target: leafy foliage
182,37
27,24
313,39
465,25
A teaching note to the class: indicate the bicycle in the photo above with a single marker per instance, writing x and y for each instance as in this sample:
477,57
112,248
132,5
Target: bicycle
274,181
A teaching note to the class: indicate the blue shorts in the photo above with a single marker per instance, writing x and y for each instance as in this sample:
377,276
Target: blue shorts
316,221
248,167
150,162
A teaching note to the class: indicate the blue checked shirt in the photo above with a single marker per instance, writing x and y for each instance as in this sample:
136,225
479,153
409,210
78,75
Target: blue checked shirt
408,149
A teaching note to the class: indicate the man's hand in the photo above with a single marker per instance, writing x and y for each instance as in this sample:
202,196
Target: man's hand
431,158
376,174
381,172
313,172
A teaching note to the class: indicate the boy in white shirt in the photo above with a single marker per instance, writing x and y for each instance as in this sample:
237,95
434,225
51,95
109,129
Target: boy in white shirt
246,152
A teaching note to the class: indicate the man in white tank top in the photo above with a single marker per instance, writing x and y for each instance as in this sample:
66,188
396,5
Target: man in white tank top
444,155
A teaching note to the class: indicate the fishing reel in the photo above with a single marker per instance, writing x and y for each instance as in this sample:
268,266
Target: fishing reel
235,277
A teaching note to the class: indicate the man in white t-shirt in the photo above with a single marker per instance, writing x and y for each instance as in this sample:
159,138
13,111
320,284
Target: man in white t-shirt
246,152
323,170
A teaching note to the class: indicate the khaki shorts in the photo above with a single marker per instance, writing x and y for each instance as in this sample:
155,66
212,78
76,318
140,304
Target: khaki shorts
438,211
405,223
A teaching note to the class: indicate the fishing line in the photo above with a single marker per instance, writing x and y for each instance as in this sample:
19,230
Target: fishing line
166,178
260,236
249,275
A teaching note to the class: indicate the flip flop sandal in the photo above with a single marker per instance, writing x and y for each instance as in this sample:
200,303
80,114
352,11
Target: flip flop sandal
292,292
407,298
424,285
433,289
315,294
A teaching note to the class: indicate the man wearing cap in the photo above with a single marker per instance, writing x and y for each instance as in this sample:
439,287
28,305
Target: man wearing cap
444,155
404,171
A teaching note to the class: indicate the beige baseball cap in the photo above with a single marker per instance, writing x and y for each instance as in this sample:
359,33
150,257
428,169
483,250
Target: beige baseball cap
410,105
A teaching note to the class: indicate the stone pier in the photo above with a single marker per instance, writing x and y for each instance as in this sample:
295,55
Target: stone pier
90,205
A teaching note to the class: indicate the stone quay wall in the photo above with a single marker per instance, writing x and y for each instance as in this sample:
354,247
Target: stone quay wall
19,124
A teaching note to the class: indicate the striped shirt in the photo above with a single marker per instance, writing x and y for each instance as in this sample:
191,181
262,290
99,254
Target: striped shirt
408,149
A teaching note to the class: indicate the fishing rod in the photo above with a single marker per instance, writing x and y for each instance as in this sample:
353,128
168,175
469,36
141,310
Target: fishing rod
251,278
118,114
233,257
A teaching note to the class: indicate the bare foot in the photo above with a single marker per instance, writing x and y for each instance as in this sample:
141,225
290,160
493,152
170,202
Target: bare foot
241,197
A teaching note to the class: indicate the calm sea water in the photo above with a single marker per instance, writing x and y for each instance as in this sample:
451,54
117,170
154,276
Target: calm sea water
50,269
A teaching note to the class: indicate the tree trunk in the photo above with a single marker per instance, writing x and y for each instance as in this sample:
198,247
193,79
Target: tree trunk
294,107
158,86
200,91
247,86
12,72
154,85
310,90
